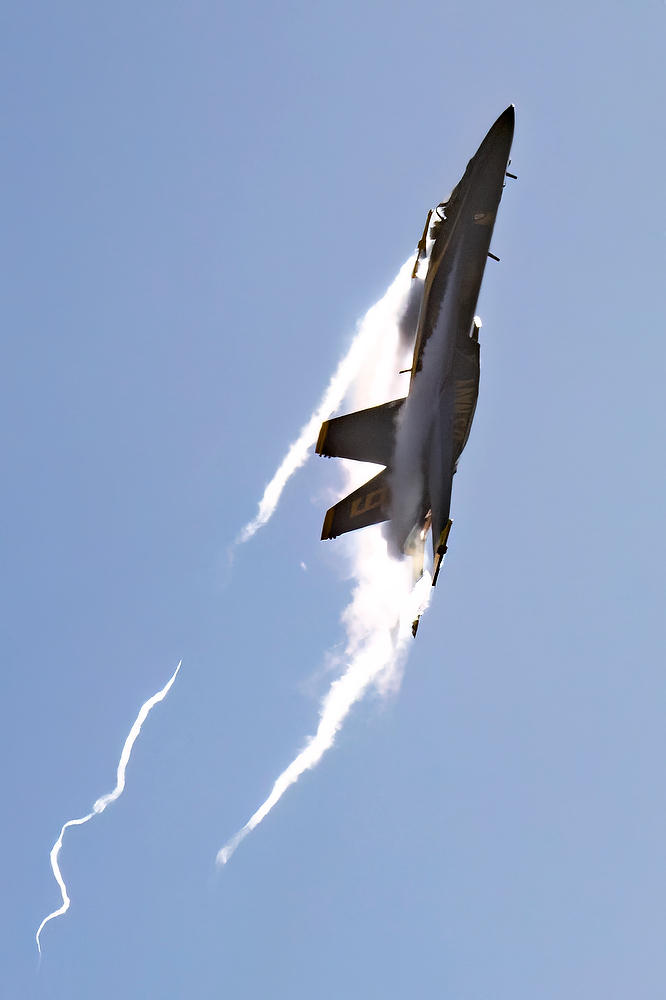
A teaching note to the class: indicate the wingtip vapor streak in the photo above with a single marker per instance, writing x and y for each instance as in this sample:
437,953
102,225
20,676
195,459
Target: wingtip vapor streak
419,438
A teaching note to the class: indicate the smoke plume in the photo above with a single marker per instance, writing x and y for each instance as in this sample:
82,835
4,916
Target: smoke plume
378,619
378,623
100,805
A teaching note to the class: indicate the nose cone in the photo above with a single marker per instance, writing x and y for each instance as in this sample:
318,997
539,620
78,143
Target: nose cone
506,122
500,136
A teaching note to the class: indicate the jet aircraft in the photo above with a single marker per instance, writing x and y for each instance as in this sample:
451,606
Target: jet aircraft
419,438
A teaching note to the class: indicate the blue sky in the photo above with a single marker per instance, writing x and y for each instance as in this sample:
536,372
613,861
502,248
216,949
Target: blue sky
200,203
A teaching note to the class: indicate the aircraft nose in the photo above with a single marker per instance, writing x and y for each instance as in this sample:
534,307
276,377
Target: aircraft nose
502,130
507,119
499,135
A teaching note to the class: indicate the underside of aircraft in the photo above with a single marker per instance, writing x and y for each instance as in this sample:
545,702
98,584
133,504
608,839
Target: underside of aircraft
420,437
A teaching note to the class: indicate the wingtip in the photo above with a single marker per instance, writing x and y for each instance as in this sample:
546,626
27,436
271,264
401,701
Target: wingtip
328,524
321,440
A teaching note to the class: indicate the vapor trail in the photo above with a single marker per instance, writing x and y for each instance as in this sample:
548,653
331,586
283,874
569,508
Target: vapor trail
378,620
375,655
369,330
100,805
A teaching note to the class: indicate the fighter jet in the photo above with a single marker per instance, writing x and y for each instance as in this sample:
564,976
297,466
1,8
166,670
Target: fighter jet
419,438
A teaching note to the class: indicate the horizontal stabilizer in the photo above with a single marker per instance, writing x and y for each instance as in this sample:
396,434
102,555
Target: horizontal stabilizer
369,504
366,435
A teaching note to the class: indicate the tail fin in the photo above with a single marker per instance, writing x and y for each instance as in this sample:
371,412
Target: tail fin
369,504
366,435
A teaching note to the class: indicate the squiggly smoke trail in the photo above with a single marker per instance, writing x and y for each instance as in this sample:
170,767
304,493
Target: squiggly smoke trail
371,328
384,604
100,805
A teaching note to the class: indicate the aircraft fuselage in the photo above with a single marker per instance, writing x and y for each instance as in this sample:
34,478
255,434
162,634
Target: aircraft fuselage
437,415
419,439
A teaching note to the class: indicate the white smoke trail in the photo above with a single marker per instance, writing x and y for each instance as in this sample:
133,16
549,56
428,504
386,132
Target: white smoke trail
55,851
378,620
100,805
379,628
371,328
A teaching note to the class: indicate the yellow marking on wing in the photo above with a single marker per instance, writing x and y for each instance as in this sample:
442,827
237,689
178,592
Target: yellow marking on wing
370,501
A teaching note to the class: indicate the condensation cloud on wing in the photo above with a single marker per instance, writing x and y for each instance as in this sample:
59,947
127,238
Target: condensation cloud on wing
384,603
